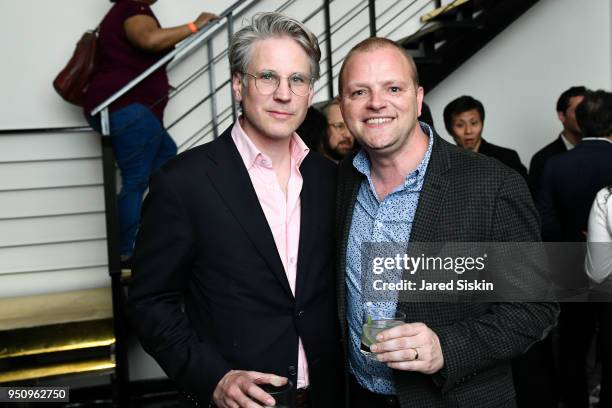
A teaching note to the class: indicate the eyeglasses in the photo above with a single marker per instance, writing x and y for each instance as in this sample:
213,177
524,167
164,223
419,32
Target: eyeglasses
267,82
339,126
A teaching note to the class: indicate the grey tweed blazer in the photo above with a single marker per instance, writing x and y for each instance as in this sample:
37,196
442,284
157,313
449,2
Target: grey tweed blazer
466,197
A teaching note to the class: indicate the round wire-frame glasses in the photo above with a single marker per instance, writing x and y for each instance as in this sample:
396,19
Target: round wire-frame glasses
267,82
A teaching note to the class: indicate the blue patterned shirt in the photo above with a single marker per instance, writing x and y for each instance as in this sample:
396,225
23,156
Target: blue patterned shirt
376,221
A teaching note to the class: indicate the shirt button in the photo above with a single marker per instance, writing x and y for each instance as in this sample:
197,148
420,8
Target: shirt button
292,260
379,224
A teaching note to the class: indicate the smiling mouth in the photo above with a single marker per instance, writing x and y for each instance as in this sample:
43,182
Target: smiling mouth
378,121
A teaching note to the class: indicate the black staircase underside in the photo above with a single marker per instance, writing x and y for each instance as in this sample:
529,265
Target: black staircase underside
454,36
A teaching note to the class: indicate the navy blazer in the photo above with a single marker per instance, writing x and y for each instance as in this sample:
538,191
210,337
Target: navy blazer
569,185
538,161
209,292
507,156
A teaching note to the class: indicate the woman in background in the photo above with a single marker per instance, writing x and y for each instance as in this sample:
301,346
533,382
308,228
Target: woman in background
130,41
598,265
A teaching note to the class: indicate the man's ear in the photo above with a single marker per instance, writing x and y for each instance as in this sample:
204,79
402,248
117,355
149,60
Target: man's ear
561,116
237,87
310,96
420,94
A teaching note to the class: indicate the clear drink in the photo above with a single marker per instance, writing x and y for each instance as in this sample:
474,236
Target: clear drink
375,323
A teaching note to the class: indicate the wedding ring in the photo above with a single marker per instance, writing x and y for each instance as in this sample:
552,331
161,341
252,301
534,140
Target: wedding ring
416,354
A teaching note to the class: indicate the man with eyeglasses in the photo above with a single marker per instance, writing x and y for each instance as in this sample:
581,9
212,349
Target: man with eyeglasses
233,285
338,141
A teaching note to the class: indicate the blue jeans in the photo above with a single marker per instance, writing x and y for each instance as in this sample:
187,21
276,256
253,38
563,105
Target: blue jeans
140,145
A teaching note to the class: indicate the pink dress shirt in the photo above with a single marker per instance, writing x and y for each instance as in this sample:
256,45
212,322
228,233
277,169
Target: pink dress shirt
282,212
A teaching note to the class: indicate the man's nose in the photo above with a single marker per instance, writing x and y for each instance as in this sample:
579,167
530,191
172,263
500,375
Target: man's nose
283,91
346,134
376,100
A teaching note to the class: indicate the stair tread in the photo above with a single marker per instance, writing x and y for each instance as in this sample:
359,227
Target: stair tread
54,308
442,10
438,29
55,338
57,369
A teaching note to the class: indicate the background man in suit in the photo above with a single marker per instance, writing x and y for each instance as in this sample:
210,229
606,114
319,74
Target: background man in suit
568,138
464,120
407,184
239,231
569,185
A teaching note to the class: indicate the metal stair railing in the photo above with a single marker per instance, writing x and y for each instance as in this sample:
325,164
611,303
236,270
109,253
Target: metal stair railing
210,128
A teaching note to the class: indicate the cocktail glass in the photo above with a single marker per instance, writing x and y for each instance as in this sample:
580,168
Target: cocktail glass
374,322
283,395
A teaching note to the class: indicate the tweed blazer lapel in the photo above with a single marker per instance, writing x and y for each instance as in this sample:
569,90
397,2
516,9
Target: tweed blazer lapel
433,194
231,180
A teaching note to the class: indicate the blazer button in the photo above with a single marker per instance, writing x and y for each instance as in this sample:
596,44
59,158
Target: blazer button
299,314
292,370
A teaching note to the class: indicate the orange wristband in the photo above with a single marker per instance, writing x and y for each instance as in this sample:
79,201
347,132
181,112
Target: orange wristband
192,27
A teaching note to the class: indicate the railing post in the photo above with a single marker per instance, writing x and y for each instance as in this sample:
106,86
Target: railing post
372,9
230,34
328,48
212,84
121,377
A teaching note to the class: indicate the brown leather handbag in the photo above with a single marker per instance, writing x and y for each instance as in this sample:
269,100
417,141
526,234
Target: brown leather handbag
72,81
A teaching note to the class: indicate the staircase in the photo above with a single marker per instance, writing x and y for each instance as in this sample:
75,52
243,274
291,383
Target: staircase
454,33
43,336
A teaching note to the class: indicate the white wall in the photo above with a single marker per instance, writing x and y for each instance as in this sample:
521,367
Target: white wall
520,74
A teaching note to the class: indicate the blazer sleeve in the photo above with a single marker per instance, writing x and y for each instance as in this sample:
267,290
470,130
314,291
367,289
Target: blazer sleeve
506,330
545,201
536,168
517,165
163,260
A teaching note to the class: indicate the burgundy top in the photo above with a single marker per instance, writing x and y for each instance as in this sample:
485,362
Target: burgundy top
119,62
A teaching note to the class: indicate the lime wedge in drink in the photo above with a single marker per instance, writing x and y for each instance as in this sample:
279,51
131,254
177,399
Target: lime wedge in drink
368,336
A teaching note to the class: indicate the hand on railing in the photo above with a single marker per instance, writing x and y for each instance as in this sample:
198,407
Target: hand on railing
204,18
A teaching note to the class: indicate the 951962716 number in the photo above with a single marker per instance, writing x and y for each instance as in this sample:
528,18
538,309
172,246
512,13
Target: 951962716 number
34,394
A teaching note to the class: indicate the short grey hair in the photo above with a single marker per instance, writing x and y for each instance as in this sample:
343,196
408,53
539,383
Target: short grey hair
272,25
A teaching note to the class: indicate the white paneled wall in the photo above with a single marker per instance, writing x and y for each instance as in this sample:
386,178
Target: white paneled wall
52,230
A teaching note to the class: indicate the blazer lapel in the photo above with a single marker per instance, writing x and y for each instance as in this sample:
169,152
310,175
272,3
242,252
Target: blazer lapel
231,180
308,222
432,195
348,186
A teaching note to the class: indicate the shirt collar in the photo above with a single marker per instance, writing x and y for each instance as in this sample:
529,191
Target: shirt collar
250,154
362,162
566,142
586,139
